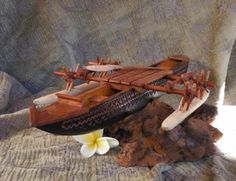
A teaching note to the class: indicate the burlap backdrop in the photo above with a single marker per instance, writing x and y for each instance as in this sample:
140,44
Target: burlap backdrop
38,36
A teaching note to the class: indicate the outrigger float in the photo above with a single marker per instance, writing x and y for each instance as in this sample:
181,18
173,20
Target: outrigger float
112,92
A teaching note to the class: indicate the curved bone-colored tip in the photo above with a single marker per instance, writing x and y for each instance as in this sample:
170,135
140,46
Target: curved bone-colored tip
178,116
102,68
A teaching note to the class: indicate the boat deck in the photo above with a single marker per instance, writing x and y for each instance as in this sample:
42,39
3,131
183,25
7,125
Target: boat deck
126,78
142,77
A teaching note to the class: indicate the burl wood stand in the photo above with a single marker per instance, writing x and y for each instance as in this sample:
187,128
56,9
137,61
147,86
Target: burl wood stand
142,143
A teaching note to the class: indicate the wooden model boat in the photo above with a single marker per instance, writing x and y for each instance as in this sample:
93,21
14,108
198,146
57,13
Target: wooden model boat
111,93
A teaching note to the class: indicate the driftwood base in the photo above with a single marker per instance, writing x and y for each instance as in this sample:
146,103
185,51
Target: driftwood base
143,143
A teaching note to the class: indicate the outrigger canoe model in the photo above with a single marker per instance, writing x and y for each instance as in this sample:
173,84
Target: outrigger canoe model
112,92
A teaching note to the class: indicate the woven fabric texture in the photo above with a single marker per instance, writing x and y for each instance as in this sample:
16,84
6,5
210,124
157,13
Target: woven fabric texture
39,36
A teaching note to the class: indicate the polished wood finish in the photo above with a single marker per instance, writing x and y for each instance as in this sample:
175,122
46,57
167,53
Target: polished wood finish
124,79
126,75
116,74
69,106
129,80
152,77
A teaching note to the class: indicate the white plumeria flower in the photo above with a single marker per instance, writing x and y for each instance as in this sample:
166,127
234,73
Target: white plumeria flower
94,143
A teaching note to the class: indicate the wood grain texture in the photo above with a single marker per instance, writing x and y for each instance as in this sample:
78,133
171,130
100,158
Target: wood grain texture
31,154
37,37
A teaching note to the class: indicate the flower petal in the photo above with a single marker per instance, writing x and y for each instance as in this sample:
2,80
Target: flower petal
111,141
102,146
88,150
97,134
85,138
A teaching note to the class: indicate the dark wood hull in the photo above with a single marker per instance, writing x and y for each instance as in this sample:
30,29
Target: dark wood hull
102,115
78,115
